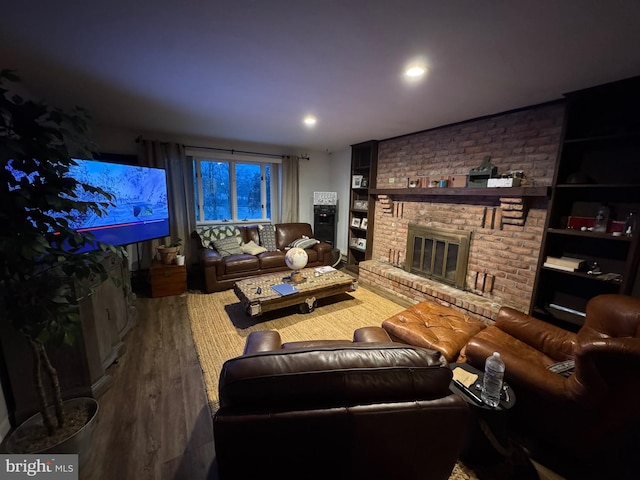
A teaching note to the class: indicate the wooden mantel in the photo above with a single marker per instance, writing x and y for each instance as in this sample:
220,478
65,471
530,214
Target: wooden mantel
464,191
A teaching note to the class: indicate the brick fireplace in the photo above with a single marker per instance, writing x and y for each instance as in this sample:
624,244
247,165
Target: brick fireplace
505,231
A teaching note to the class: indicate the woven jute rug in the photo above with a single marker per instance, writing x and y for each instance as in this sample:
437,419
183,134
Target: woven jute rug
220,325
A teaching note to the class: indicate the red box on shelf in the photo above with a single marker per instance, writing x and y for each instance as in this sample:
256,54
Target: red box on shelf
577,223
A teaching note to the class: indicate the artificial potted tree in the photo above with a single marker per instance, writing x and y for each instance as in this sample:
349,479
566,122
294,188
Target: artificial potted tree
41,264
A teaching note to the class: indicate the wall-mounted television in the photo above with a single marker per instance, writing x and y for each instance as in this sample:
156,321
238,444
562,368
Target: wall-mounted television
140,209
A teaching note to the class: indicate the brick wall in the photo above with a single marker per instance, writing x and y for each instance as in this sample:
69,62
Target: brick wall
503,251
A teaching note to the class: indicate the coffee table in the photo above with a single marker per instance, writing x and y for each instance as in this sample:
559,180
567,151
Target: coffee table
258,297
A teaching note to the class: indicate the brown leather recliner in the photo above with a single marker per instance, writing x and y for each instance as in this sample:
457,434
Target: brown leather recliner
594,412
337,410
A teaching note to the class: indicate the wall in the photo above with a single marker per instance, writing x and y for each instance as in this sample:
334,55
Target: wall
526,140
341,181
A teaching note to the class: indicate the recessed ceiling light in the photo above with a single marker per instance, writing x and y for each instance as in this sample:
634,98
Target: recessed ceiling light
310,120
415,71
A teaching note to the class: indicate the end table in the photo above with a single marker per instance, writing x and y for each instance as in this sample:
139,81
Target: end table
167,279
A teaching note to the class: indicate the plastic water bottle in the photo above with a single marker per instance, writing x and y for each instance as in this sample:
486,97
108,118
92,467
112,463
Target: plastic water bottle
492,384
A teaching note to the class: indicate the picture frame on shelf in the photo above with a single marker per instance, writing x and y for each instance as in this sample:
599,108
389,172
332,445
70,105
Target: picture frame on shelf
355,222
363,223
356,181
360,204
362,243
353,242
364,183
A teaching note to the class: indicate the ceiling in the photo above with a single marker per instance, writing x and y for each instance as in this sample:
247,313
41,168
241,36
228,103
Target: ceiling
249,70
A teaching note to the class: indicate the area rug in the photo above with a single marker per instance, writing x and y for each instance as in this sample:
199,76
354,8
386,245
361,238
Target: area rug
220,325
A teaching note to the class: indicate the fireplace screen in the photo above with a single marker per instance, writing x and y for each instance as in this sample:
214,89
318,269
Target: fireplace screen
438,254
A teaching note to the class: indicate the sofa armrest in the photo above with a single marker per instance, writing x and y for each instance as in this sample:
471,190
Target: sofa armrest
324,252
262,341
553,341
371,334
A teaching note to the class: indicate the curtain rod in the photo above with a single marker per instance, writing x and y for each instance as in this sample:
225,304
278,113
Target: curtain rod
233,151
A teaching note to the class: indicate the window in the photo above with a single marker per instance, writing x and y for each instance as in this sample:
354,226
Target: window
232,191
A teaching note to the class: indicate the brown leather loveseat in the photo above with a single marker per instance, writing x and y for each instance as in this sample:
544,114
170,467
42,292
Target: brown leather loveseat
221,272
337,410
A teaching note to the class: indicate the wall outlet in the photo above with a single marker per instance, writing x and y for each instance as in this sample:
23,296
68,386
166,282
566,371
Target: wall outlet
392,180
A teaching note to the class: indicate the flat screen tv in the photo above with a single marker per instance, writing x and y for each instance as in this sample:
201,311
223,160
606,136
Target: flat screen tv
140,209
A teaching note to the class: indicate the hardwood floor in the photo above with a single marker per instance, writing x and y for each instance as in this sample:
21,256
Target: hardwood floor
154,421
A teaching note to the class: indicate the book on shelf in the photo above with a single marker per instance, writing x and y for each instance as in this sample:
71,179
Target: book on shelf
559,267
574,263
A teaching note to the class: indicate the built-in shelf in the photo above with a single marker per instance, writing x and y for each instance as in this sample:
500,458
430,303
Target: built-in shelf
579,233
465,192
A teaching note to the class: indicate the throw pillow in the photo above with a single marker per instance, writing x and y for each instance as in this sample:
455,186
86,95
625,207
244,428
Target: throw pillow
227,246
252,248
304,243
209,234
267,235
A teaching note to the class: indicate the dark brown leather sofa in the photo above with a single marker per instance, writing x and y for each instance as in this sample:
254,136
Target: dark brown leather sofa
371,409
593,414
220,273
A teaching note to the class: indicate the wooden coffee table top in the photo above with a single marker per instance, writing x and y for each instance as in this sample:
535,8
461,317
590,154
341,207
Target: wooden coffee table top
258,297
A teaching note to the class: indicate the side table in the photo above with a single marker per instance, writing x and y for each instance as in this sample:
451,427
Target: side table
167,279
489,445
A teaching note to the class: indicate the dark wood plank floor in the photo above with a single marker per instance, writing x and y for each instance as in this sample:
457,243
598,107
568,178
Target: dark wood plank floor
154,421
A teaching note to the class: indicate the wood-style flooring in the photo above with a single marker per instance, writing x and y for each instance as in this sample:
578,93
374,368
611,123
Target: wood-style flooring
154,420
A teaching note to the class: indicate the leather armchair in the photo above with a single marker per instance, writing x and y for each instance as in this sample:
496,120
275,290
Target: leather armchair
593,413
337,409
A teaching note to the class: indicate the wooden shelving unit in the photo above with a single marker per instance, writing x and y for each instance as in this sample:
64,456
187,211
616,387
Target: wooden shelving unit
364,161
598,165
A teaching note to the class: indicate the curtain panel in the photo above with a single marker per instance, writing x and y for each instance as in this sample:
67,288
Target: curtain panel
290,194
182,214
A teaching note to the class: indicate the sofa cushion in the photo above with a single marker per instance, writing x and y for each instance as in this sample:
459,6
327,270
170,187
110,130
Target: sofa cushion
268,237
227,246
304,243
252,248
241,264
209,234
272,260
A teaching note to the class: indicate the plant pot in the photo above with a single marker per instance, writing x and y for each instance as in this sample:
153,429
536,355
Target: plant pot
78,442
168,254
